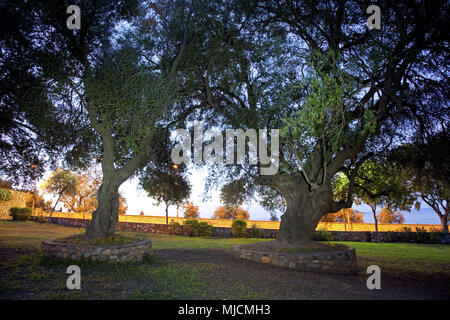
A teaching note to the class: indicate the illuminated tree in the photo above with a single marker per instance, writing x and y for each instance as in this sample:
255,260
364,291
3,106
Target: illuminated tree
190,210
388,215
348,216
61,182
233,213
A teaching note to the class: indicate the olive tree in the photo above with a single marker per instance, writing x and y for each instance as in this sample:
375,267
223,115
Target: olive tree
61,182
339,92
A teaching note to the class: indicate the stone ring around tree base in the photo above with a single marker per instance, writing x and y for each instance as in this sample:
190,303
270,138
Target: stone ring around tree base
132,252
339,260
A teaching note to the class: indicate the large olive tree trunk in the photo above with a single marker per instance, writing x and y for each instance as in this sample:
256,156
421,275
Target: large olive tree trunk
444,222
305,207
105,217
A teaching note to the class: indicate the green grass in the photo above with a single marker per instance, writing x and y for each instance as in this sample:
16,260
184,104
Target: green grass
164,241
405,259
397,251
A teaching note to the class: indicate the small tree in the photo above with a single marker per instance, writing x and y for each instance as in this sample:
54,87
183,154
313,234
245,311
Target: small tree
388,215
346,215
38,201
170,188
224,212
271,201
428,172
190,211
85,197
377,183
123,207
239,228
61,182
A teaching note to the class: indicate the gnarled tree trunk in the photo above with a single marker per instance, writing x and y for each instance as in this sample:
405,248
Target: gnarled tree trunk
444,222
305,208
105,217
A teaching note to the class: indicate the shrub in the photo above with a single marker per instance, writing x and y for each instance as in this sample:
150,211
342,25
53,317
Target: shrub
20,214
323,235
40,219
407,234
239,228
194,228
5,195
392,236
254,232
191,227
423,236
174,227
204,229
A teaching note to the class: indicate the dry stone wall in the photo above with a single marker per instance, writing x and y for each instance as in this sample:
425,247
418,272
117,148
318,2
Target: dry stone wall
334,261
18,199
132,252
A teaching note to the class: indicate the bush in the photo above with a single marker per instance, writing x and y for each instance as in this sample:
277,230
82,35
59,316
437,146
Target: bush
39,219
20,214
254,232
393,236
191,227
194,228
5,195
239,228
407,234
204,229
175,227
323,235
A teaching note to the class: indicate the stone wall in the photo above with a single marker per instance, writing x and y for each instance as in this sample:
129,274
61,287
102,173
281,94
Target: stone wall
115,253
358,236
334,261
18,199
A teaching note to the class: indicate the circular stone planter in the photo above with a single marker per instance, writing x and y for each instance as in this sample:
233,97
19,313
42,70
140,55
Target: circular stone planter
338,261
130,252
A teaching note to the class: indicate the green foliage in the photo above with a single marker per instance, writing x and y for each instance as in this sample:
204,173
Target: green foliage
239,228
328,90
271,201
322,235
423,236
233,194
194,228
40,219
167,187
62,182
5,195
175,227
20,214
204,229
254,232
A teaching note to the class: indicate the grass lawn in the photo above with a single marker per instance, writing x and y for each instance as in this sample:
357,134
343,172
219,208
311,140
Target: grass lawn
204,268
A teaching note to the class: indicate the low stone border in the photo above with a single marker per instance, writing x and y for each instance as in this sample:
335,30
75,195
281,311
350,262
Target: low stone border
333,261
131,252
